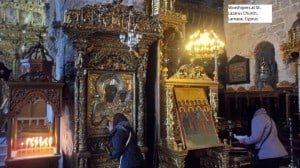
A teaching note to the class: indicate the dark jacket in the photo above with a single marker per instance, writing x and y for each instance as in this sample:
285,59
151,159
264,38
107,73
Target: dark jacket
131,155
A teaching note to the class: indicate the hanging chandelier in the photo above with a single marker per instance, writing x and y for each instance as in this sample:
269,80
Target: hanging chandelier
204,44
132,38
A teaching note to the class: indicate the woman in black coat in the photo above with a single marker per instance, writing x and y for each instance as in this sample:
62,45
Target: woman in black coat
124,144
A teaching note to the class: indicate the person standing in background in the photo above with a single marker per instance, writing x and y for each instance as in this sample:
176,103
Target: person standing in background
264,136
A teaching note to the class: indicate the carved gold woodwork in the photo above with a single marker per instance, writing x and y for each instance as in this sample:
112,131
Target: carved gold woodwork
218,157
169,117
20,22
288,48
172,23
17,16
29,98
171,158
171,150
111,19
22,9
187,75
94,31
167,5
174,20
293,44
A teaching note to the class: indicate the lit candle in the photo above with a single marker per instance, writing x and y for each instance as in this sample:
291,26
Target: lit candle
31,145
46,143
41,146
40,143
27,142
50,143
36,142
22,147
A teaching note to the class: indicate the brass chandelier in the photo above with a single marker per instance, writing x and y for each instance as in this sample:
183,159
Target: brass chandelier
205,45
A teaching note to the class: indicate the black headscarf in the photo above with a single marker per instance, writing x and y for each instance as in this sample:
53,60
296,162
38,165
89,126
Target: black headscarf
119,117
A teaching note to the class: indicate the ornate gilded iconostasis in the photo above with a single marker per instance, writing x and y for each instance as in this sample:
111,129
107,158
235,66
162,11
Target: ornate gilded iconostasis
109,77
20,22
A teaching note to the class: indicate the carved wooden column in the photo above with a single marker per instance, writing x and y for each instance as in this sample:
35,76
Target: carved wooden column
83,154
80,144
141,94
213,94
169,122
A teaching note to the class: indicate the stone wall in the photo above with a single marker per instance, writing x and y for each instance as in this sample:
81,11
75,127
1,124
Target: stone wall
243,38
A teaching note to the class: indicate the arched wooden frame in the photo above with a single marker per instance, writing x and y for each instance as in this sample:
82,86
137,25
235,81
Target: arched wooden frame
20,94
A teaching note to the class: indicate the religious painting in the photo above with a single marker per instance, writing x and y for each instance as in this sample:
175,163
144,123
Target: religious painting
108,93
25,16
195,118
38,19
238,70
11,15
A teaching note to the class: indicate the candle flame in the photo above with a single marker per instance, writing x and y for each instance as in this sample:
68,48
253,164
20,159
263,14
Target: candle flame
38,142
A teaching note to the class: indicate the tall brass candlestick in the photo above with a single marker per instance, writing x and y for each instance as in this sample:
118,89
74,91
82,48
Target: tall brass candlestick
292,164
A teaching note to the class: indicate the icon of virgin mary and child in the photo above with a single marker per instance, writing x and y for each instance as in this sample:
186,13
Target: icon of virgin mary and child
112,97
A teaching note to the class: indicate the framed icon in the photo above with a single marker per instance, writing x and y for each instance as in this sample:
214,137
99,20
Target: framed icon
108,93
238,70
195,118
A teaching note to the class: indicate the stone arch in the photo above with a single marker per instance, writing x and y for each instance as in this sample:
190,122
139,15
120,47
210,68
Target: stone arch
266,72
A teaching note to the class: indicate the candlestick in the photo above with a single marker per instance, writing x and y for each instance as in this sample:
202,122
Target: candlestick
27,142
46,143
22,148
37,145
40,143
50,143
230,131
292,163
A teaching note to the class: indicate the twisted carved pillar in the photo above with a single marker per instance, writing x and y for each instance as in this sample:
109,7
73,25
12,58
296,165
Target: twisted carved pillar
169,122
83,153
213,94
80,143
141,93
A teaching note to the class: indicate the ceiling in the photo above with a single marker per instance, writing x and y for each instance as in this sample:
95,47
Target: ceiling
216,4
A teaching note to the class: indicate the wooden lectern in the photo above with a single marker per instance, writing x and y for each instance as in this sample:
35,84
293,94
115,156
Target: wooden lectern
188,108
